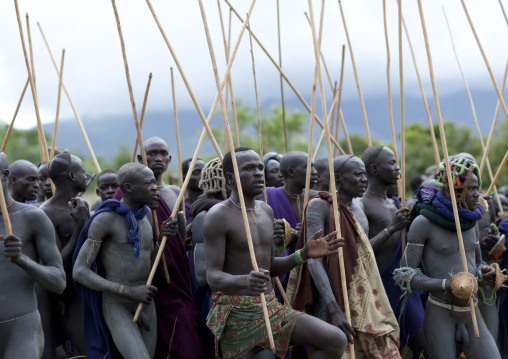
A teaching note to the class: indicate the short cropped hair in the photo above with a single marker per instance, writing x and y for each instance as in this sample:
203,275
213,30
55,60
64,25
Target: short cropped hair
105,172
227,162
126,172
370,156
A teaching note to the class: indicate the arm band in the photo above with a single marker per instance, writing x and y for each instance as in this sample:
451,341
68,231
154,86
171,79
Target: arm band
298,258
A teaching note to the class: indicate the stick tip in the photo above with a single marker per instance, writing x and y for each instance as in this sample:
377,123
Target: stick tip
150,76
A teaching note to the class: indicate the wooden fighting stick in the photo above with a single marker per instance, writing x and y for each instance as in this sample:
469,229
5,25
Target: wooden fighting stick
360,95
8,133
78,119
473,111
226,50
198,148
237,173
55,128
402,131
447,163
177,130
141,118
332,175
281,83
5,214
498,173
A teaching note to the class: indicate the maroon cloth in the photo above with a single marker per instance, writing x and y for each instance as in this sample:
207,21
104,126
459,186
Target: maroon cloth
177,316
306,290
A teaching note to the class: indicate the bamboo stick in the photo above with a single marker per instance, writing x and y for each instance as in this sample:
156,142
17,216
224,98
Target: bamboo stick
504,13
184,78
344,128
447,164
402,130
424,99
332,176
388,82
198,148
281,82
55,128
494,124
498,173
229,88
8,133
360,95
141,117
5,214
226,50
494,82
237,173
78,119
300,97
177,130
473,111
332,122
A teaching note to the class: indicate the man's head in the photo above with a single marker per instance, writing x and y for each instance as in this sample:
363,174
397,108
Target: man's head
466,181
273,177
323,174
381,165
416,181
250,168
137,183
293,167
45,190
68,169
157,155
195,176
213,181
350,176
106,184
24,180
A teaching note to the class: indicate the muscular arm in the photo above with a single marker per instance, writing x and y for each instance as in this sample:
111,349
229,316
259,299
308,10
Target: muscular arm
50,274
417,238
215,229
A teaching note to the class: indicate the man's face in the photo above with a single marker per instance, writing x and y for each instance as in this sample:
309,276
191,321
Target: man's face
353,178
107,186
472,194
386,165
143,189
44,182
251,169
323,177
300,171
273,176
26,184
79,172
157,157
195,176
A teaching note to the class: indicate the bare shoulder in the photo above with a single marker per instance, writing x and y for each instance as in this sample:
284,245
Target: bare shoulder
174,188
102,223
313,193
317,204
420,229
358,202
216,218
32,214
264,206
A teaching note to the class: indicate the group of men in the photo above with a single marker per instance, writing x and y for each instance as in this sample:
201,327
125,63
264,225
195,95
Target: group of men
75,277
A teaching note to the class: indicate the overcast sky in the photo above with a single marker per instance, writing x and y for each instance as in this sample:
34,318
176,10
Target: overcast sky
95,75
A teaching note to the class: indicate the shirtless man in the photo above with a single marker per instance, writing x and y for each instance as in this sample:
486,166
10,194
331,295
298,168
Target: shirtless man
273,177
229,271
106,186
432,240
29,255
24,181
64,312
376,333
386,221
193,190
45,191
111,240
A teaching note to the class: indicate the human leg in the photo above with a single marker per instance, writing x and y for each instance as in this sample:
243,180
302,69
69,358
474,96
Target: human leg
148,329
329,341
482,347
22,338
439,329
489,309
73,321
46,303
126,334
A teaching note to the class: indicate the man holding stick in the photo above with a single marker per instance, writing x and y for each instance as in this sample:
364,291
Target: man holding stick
236,315
432,240
375,333
30,255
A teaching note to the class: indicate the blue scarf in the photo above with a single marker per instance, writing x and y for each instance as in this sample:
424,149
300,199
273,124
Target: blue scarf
97,336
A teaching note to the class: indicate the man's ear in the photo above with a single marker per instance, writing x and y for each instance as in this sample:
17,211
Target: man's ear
5,175
374,170
169,161
127,187
72,177
97,192
338,177
11,180
291,172
140,159
230,178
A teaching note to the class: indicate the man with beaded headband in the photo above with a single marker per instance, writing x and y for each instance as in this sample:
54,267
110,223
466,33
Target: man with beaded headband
432,241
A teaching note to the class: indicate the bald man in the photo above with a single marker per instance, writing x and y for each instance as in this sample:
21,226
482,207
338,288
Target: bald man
24,181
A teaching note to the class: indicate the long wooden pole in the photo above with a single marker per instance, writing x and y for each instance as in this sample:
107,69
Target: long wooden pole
5,213
198,148
473,111
389,86
504,13
447,163
424,99
230,86
8,133
297,93
226,50
494,124
55,128
360,95
498,173
177,129
402,130
76,114
141,117
281,83
332,175
186,82
237,173
494,82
